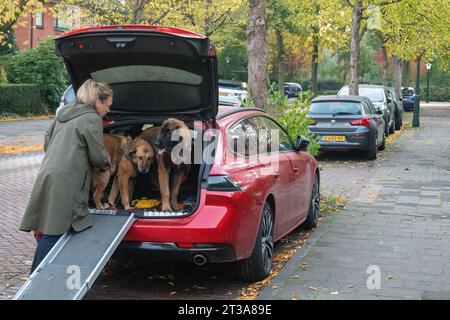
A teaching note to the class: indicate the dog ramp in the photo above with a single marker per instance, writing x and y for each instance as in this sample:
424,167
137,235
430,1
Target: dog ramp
73,264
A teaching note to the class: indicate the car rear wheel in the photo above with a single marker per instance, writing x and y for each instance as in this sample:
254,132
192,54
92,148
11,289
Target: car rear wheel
383,143
371,154
398,122
259,265
314,206
392,128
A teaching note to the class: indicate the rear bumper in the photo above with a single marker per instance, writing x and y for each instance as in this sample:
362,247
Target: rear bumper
353,141
155,251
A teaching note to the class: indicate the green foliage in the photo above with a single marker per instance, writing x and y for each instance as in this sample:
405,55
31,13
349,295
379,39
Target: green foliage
293,116
40,66
436,93
20,99
8,45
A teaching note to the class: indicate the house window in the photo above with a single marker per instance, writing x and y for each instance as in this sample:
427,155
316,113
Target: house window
40,20
61,24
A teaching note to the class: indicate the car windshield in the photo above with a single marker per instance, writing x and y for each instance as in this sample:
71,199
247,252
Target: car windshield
374,94
335,107
407,92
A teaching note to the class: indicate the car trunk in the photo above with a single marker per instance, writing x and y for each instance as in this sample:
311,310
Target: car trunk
155,73
145,189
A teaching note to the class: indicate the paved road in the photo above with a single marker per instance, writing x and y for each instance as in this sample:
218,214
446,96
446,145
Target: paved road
26,132
393,240
342,174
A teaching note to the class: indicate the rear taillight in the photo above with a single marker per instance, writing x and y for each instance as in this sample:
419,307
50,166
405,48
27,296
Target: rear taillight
223,183
364,121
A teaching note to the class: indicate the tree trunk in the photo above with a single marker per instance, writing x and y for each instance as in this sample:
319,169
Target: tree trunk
406,76
280,58
397,75
314,61
355,46
385,63
258,52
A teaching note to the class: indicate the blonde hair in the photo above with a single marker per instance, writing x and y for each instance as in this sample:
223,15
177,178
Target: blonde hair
90,91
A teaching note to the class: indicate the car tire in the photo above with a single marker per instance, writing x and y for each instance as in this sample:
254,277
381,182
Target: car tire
371,154
386,128
398,122
314,205
259,265
392,128
383,143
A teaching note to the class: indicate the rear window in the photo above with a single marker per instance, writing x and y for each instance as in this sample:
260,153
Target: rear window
374,94
146,73
332,107
407,92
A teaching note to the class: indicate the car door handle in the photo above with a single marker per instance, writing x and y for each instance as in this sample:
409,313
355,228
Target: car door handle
296,170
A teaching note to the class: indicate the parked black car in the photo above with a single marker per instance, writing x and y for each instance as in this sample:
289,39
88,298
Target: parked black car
291,89
398,107
380,99
347,122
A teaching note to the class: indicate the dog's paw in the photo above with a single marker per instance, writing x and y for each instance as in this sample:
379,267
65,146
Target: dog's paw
175,207
166,208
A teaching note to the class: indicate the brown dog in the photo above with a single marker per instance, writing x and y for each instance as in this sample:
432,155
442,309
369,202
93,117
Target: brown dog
138,157
173,159
113,145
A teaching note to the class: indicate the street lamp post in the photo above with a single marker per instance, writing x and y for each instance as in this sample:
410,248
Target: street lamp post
428,66
416,114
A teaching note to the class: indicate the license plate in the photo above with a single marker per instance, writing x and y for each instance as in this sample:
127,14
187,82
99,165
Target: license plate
404,99
334,138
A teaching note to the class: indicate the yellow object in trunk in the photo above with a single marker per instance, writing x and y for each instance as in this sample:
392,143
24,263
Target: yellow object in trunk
145,203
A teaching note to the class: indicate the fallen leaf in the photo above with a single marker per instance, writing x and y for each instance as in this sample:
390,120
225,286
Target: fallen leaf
198,287
312,289
350,286
295,276
335,292
24,279
295,296
389,277
172,293
172,284
274,287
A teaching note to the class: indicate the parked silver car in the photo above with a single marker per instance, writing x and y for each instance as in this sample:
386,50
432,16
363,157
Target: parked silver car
380,99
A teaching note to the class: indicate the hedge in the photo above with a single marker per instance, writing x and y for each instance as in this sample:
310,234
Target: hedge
20,99
436,93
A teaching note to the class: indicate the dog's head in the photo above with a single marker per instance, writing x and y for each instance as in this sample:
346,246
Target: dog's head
141,154
174,136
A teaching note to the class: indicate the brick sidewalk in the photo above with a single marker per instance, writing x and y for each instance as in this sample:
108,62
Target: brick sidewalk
397,224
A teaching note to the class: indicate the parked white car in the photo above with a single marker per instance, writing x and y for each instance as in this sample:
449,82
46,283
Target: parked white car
232,93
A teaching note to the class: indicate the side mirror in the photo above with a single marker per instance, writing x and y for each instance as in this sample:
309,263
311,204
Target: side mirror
302,143
380,112
389,100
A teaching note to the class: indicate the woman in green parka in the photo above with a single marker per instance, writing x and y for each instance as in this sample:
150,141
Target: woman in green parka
73,146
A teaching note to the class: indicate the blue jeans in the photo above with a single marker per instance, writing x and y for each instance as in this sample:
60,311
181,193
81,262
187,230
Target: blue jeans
45,244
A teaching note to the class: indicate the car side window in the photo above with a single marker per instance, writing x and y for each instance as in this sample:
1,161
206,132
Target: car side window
243,138
284,141
371,107
366,108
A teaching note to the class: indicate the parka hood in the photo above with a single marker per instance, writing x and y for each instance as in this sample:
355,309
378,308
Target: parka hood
73,110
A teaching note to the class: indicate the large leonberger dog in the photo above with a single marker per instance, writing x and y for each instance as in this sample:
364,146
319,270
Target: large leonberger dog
137,158
172,144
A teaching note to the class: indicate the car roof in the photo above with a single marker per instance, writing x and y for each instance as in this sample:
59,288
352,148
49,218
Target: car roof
225,111
340,98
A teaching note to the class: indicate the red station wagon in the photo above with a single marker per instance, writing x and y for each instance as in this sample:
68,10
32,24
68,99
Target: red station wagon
237,200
